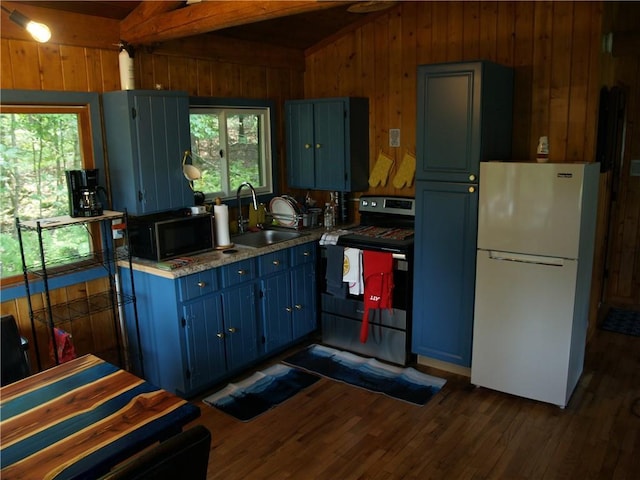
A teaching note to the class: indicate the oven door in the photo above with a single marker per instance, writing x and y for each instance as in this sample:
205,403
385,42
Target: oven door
389,330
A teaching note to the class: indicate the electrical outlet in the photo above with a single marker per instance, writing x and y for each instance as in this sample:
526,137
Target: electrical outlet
394,137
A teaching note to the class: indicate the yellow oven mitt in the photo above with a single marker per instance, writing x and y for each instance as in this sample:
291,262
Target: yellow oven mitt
380,171
406,171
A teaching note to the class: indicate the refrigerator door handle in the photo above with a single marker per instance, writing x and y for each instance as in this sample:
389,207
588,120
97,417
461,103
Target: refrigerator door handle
523,258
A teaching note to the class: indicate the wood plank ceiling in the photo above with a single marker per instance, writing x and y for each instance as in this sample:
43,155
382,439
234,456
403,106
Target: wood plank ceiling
296,24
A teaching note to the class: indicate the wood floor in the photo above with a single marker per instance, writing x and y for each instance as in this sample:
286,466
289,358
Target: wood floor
334,431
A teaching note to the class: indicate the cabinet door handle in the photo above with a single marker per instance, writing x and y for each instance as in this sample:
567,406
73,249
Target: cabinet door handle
276,262
472,177
232,330
201,284
298,306
472,189
289,309
220,335
318,145
307,146
306,254
242,272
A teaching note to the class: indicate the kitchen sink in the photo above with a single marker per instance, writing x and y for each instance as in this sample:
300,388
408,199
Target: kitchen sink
263,238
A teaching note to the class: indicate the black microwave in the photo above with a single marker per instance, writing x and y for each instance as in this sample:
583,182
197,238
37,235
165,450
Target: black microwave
168,235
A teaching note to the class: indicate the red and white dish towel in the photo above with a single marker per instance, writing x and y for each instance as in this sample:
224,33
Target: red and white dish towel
378,285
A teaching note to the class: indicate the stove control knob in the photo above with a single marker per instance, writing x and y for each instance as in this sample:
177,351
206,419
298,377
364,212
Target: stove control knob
365,203
374,203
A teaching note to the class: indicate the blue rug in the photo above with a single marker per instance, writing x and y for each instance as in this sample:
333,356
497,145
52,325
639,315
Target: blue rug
622,321
406,384
261,391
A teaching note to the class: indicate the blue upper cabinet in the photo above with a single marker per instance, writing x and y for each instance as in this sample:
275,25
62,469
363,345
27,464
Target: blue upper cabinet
328,143
464,117
147,133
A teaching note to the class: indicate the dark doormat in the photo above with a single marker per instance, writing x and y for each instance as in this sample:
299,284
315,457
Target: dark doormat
261,391
407,384
622,321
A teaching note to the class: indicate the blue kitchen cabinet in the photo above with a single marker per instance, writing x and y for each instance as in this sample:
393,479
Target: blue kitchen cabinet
464,116
162,359
240,311
276,311
275,292
444,274
204,341
328,143
201,328
240,325
304,293
288,295
147,133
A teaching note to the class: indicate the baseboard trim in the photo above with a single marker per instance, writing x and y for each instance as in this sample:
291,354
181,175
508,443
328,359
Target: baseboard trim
446,366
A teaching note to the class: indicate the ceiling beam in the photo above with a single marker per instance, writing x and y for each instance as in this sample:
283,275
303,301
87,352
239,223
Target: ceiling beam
208,16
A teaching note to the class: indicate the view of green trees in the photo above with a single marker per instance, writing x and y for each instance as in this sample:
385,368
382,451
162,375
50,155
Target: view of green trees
35,151
240,158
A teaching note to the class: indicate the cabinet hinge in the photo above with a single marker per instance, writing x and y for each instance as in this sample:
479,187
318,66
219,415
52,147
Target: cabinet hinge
187,374
263,340
183,322
261,294
134,113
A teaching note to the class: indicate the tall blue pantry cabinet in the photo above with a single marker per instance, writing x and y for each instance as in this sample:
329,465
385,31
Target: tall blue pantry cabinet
147,133
464,117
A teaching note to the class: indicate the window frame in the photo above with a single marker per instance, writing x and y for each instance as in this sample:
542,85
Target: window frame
91,143
216,103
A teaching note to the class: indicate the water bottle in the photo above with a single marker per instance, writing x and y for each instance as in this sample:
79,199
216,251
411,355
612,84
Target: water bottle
328,216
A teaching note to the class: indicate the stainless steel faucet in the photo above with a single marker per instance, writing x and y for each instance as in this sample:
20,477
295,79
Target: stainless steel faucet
241,220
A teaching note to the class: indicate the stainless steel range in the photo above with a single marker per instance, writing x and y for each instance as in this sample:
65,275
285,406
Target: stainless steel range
386,225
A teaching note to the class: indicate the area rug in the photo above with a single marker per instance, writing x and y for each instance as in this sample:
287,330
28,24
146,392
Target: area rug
261,391
406,384
622,321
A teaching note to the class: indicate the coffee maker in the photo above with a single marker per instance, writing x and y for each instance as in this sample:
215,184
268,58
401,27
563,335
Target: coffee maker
83,193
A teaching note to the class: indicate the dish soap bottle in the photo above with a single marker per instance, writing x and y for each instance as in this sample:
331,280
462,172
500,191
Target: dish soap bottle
328,216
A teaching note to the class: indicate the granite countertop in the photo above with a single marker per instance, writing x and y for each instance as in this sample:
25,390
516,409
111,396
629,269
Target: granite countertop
218,258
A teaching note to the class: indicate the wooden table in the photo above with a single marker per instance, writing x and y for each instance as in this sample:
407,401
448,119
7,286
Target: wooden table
81,418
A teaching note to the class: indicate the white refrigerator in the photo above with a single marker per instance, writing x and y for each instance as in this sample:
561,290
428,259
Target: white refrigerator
536,229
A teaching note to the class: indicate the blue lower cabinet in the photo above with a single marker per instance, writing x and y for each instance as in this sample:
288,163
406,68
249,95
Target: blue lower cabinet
240,325
444,271
204,341
276,311
304,299
198,329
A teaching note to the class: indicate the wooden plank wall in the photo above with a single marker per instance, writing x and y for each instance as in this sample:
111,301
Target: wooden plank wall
553,46
622,283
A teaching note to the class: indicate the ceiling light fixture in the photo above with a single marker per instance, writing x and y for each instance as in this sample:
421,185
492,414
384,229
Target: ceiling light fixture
39,31
370,6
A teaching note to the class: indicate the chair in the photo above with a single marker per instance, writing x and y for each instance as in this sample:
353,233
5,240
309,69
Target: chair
185,455
15,360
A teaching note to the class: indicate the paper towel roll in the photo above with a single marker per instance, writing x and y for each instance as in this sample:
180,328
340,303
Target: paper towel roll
221,218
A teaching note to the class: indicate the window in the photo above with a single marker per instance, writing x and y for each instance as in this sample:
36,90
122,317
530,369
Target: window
231,145
38,142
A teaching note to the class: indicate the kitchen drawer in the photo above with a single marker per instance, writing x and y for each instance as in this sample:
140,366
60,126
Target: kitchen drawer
273,262
305,253
238,272
198,284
